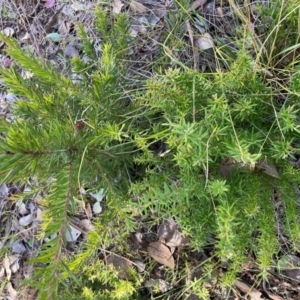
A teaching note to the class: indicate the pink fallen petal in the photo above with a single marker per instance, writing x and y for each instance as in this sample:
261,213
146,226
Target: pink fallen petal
49,3
6,62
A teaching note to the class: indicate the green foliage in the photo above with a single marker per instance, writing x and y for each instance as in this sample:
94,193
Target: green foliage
215,129
68,133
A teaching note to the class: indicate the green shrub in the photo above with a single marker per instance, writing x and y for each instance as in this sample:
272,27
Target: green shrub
208,146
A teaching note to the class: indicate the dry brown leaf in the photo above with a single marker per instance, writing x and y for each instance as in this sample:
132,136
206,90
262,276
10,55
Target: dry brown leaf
8,31
168,231
268,168
205,42
26,220
274,297
253,293
53,20
64,28
71,51
196,4
2,273
87,225
121,264
137,7
117,6
162,254
11,291
6,265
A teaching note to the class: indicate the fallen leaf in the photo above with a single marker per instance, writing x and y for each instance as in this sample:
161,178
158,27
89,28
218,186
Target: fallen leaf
64,28
49,3
141,267
117,6
121,264
14,263
39,214
99,196
8,31
162,254
72,234
71,51
97,209
25,37
6,265
11,291
26,220
4,190
10,97
87,225
77,6
18,247
196,4
253,293
52,237
137,7
54,36
2,273
268,168
169,232
22,209
274,297
205,42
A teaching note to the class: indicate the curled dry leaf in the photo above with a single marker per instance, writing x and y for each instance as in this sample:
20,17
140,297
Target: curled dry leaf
168,231
55,37
121,264
22,209
162,254
87,225
137,7
99,196
11,291
2,273
97,209
71,51
205,42
117,6
4,190
25,37
14,263
26,220
72,234
39,214
6,265
18,248
52,237
141,267
196,4
8,31
64,28
268,168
